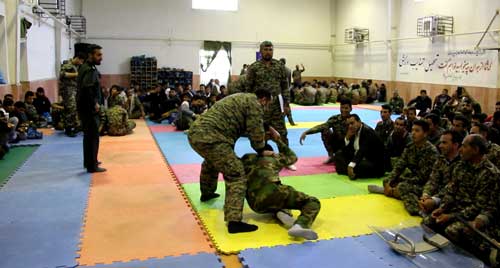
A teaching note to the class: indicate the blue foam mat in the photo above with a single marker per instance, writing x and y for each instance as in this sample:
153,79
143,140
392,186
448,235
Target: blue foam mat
205,260
175,146
450,256
42,209
344,252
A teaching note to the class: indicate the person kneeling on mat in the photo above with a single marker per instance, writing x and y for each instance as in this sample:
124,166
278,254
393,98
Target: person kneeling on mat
266,194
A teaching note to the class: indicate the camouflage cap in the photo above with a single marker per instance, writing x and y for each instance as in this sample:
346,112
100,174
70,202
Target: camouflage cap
266,44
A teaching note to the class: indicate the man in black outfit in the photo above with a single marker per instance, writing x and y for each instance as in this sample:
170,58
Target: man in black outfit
422,103
362,155
88,100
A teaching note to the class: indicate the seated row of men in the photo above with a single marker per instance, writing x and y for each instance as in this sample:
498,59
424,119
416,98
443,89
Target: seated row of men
20,120
439,174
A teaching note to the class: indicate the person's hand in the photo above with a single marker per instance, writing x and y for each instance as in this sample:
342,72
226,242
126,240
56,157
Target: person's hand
96,108
267,153
426,204
286,110
350,172
443,218
274,134
478,223
302,138
436,213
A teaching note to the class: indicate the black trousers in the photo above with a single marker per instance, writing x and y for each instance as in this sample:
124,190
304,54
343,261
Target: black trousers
364,169
90,126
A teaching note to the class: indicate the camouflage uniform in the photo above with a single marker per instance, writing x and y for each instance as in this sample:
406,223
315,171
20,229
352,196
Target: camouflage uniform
213,136
118,122
471,194
321,96
397,104
135,107
419,161
238,85
333,95
332,133
436,137
440,176
384,130
266,194
33,116
494,154
67,90
273,78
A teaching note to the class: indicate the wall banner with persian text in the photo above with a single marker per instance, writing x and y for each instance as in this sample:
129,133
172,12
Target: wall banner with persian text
460,67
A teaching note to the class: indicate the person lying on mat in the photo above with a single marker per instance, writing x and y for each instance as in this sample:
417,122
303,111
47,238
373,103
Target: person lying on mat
266,194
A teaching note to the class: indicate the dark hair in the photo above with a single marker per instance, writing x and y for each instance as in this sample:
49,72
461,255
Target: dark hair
92,48
29,94
8,95
423,124
402,118
198,97
481,117
185,94
40,89
436,112
498,103
460,117
263,93
479,142
119,88
445,89
496,116
456,137
387,107
8,102
268,147
80,55
222,86
20,104
423,91
482,127
434,118
412,109
344,101
356,117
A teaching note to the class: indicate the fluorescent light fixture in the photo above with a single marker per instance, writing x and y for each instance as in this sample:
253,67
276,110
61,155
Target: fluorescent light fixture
224,5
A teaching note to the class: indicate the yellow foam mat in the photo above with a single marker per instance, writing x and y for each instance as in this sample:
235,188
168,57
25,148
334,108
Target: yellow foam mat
303,124
339,217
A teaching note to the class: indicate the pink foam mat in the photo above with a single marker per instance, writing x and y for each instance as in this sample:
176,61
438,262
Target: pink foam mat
162,128
190,173
315,108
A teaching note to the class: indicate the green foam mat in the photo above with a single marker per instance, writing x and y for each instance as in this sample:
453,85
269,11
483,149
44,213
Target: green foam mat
13,160
320,186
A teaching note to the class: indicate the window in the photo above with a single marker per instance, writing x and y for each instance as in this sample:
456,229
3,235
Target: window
225,5
219,68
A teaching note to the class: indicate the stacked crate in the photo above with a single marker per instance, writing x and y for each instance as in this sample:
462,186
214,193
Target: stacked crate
144,71
172,76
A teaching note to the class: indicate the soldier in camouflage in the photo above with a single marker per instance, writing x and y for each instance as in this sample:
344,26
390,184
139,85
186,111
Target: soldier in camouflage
213,136
117,119
67,90
397,103
36,120
385,127
471,195
493,148
432,193
270,74
266,194
419,158
333,130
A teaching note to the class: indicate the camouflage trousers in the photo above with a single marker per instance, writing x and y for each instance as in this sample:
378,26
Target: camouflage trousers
220,157
274,197
276,119
121,130
409,193
331,141
70,112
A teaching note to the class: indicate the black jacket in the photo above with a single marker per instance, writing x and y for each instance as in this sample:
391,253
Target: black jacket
371,147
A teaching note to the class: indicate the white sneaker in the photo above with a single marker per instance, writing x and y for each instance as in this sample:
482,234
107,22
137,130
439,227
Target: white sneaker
292,167
285,218
299,231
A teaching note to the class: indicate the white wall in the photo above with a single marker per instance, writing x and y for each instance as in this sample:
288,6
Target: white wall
299,29
371,61
41,51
